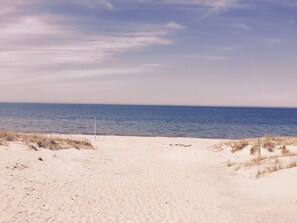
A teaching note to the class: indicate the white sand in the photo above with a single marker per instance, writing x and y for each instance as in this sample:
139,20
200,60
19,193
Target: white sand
135,179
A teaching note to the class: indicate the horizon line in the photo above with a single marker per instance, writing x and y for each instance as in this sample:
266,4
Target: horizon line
160,105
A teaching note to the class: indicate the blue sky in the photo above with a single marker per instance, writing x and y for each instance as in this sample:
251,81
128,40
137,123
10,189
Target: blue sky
190,52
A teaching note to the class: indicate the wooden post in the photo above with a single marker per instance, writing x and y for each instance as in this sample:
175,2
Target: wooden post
259,147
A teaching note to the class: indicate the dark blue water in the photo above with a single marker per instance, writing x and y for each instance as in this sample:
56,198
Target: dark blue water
205,122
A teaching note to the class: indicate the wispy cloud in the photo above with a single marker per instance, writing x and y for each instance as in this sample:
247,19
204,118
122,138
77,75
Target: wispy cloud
230,48
51,39
273,41
91,3
173,25
32,44
156,65
210,57
204,57
7,6
215,5
242,26
40,45
72,75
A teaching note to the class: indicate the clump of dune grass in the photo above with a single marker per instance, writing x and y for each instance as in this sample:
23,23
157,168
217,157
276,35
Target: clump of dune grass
235,146
36,141
267,164
285,150
254,149
275,167
270,146
230,164
279,155
270,143
292,164
2,143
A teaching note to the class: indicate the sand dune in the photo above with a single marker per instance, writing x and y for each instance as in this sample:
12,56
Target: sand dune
139,179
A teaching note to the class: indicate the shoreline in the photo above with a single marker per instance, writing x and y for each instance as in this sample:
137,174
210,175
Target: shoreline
154,105
141,136
110,135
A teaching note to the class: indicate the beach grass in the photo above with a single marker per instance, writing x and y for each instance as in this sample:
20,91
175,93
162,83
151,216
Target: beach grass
270,143
277,153
37,141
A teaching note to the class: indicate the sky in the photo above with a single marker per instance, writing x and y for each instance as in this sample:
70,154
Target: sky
166,52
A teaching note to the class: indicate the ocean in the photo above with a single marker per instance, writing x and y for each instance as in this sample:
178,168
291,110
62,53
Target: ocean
137,120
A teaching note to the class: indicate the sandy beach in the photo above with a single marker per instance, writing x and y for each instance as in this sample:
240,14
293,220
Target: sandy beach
139,179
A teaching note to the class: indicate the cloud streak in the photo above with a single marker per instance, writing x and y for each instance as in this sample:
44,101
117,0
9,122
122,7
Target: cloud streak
242,26
273,41
213,5
40,45
8,6
33,44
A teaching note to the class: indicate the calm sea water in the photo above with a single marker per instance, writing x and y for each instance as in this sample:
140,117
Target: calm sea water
205,122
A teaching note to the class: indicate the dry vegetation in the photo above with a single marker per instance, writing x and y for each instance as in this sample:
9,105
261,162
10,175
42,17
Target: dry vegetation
277,157
266,165
269,143
36,141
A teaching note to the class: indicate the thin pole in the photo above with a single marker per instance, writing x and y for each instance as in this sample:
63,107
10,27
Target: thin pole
259,147
95,130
